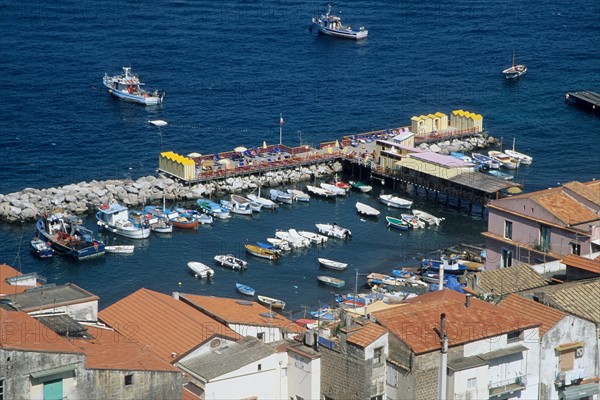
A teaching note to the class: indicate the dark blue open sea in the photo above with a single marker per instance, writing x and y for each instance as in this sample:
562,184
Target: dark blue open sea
230,69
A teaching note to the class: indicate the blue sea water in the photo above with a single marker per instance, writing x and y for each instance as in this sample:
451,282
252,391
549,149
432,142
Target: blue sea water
230,69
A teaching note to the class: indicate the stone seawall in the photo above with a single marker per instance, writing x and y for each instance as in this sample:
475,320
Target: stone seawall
85,197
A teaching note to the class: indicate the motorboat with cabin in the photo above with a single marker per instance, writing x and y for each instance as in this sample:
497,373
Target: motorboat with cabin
332,25
128,87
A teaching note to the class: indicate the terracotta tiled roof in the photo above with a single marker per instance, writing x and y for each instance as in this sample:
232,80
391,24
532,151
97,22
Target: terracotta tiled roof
6,271
584,263
20,331
534,311
417,321
566,208
508,280
162,323
588,190
580,298
243,312
366,335
108,349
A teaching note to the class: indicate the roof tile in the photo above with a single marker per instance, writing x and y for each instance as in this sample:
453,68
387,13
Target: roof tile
366,335
162,323
417,321
584,263
534,311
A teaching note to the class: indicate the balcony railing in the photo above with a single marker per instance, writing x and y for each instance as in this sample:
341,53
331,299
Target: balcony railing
508,385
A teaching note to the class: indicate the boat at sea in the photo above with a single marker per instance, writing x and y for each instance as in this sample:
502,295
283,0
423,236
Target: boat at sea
245,289
429,218
201,270
504,159
523,158
236,207
394,201
115,218
229,261
128,87
292,236
341,184
334,230
271,302
515,70
500,174
120,249
314,238
265,203
182,222
332,25
363,187
67,236
485,161
331,264
367,210
413,221
157,224
254,206
333,188
281,196
279,244
258,251
161,212
299,195
331,281
194,215
213,209
451,265
397,223
318,191
40,248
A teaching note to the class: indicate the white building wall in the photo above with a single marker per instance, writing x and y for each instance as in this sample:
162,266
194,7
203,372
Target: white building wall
249,381
271,334
87,311
568,330
303,376
458,384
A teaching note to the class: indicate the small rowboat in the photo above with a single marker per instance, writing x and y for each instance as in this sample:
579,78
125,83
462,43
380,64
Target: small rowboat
397,223
333,188
367,210
201,270
413,221
121,249
360,186
271,302
184,223
42,249
262,253
339,266
227,260
330,281
320,191
243,289
395,201
424,216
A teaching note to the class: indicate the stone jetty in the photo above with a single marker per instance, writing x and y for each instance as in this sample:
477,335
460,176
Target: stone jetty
85,197
465,145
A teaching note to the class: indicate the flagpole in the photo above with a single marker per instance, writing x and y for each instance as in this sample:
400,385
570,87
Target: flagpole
280,126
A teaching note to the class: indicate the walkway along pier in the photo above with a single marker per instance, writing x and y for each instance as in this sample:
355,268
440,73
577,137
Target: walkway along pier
585,99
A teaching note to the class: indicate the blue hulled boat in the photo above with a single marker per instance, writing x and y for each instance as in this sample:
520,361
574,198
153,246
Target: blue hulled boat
67,236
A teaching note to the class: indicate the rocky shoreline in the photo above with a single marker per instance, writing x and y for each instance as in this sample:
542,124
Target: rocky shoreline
82,198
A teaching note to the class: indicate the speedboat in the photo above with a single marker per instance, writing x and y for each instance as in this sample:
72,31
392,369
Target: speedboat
128,87
334,230
515,71
237,207
332,25
265,203
429,218
201,270
281,196
227,260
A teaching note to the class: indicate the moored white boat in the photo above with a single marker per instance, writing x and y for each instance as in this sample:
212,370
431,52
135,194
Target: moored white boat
320,191
280,244
331,281
413,221
237,208
394,201
507,161
331,25
228,260
430,219
266,203
313,237
120,249
213,209
361,186
334,230
128,87
523,158
331,264
299,195
367,210
114,218
271,302
485,161
254,206
201,270
280,196
294,239
333,188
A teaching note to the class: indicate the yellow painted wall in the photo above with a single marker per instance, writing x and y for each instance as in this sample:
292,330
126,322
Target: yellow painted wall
177,165
425,124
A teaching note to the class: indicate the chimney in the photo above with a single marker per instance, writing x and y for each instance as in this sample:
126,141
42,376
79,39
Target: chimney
467,300
176,295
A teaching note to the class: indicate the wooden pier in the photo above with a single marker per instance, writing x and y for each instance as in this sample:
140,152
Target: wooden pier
585,99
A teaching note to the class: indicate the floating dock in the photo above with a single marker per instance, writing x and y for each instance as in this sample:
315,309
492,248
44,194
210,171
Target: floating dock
585,99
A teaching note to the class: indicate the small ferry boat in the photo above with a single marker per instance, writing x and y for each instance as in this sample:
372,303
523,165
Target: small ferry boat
128,87
332,25
515,71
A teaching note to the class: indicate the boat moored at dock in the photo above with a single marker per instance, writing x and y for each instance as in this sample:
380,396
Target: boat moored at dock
67,236
115,218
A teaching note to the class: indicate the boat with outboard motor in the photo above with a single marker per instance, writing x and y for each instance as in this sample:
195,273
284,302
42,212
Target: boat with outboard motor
331,25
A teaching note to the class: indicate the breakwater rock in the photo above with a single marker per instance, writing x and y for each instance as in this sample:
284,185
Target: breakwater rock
460,145
85,197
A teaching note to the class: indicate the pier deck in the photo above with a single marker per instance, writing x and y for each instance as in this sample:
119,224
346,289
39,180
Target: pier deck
586,99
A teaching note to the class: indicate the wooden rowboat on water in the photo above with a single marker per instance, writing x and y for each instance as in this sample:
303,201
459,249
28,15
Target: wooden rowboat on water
261,252
336,265
271,302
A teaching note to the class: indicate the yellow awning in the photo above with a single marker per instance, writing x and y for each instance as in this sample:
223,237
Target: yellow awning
569,346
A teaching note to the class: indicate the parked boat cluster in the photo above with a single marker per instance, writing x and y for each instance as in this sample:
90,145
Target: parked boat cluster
84,197
465,145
